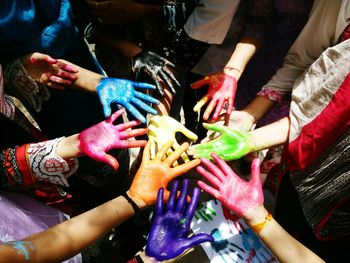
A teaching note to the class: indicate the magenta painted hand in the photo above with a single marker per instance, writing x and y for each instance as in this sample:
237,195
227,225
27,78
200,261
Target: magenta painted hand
222,89
49,71
104,136
232,191
168,237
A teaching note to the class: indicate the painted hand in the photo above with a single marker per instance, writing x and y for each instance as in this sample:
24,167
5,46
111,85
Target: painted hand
168,237
156,67
98,139
232,191
230,145
222,89
157,173
49,71
162,129
121,91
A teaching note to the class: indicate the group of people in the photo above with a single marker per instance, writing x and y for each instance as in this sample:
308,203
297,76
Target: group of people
171,86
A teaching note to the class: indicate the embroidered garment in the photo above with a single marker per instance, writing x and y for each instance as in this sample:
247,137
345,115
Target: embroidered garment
7,106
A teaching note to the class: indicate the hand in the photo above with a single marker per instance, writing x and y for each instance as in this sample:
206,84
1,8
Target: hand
168,237
162,129
157,173
104,136
232,191
222,88
49,71
230,145
156,67
121,91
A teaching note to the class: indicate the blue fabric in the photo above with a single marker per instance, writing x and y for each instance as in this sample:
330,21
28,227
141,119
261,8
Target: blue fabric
45,26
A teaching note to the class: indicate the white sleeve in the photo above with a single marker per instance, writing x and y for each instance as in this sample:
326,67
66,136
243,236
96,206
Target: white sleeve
318,34
210,20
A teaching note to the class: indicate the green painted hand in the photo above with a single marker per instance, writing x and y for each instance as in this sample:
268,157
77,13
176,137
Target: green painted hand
230,145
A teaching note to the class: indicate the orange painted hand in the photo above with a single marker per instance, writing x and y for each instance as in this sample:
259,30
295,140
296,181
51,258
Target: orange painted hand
157,173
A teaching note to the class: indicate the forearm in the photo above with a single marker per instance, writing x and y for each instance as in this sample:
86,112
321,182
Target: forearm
271,135
68,147
280,242
258,107
242,54
70,237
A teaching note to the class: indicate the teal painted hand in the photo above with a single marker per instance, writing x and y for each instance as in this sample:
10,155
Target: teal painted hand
230,145
205,213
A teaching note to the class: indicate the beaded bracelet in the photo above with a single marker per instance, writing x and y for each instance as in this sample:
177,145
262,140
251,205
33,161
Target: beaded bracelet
259,226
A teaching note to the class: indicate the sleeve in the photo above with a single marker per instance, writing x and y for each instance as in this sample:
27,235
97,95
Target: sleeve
210,20
30,163
317,35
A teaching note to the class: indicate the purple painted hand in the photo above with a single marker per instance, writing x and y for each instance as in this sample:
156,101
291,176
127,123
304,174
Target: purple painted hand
170,228
104,136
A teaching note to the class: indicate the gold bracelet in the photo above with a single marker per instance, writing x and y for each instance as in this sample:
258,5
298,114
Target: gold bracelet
259,226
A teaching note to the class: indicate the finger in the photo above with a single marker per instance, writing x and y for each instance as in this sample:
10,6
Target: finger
171,75
218,109
133,111
200,103
153,149
191,209
190,135
167,81
60,81
106,109
210,190
49,59
143,85
158,85
210,177
209,110
255,170
180,206
55,85
184,168
222,164
146,98
98,5
176,155
200,83
39,58
110,160
146,153
64,74
114,116
69,68
162,152
127,125
159,204
214,169
215,127
230,105
172,198
195,240
135,143
143,106
133,133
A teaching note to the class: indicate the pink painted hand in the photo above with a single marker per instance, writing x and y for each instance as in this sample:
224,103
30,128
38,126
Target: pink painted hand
232,191
222,89
104,136
49,71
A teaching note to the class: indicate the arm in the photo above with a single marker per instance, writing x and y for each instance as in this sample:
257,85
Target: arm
70,237
246,200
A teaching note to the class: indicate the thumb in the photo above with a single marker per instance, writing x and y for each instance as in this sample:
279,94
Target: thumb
190,135
255,171
195,240
109,159
106,109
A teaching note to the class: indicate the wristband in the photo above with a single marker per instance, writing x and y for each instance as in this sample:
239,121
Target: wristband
133,204
259,226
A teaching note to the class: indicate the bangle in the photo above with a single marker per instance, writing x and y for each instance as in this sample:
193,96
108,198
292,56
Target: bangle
232,68
133,204
259,226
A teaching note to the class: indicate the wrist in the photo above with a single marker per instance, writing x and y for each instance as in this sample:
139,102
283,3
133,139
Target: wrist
233,72
137,200
68,147
255,215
